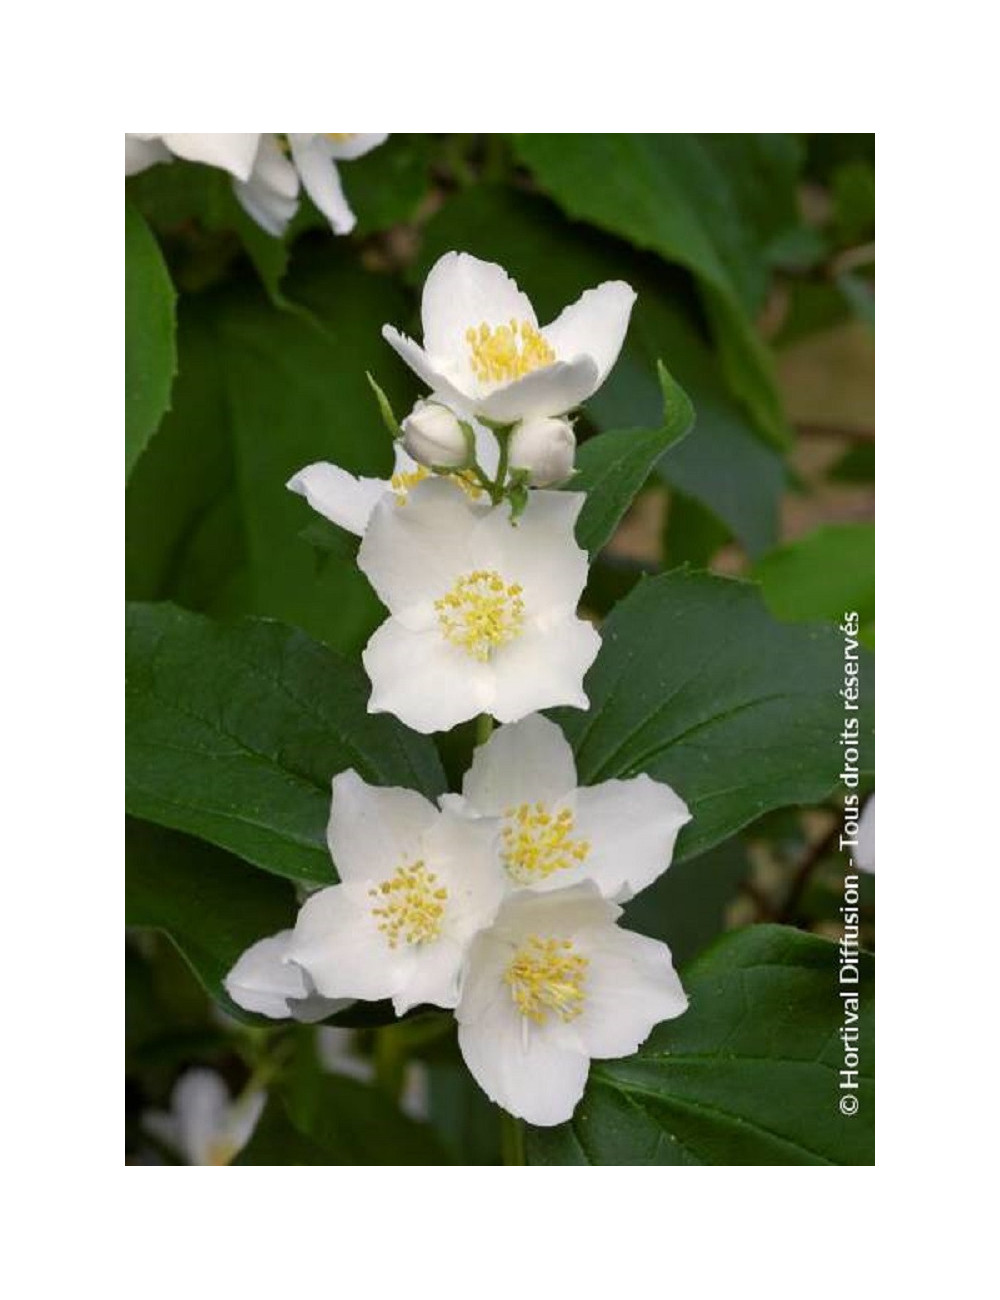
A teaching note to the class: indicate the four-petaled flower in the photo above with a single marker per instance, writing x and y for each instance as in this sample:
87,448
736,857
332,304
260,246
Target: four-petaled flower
482,614
619,834
416,884
552,984
484,352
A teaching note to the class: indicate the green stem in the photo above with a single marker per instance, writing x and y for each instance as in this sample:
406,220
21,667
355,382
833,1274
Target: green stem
503,439
484,728
511,1140
389,1057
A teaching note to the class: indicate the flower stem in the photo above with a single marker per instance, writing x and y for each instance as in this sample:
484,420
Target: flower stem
484,728
511,1139
503,440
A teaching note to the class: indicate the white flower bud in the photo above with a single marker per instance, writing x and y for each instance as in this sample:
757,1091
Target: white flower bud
433,437
545,447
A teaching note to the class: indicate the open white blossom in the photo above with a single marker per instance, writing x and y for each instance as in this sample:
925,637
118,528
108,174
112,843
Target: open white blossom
485,353
267,175
263,980
348,501
619,834
416,885
204,1124
482,612
551,985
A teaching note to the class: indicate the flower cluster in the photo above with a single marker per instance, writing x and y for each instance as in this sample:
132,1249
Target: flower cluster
267,169
500,903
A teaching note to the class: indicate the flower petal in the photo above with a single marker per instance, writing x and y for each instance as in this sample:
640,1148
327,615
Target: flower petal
594,326
142,152
270,195
630,986
553,390
422,366
338,496
313,157
517,1064
355,146
337,942
632,827
412,553
427,683
373,829
522,762
540,552
242,1119
200,1101
433,976
263,981
233,152
542,669
462,292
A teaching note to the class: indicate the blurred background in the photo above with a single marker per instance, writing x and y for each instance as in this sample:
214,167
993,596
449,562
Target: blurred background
753,260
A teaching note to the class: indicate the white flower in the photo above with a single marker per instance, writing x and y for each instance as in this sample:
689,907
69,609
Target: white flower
204,1124
545,447
864,854
416,884
263,980
483,612
619,834
266,180
433,436
484,352
551,985
232,152
349,501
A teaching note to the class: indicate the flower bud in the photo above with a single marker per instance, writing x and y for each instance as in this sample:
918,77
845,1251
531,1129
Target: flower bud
545,447
434,437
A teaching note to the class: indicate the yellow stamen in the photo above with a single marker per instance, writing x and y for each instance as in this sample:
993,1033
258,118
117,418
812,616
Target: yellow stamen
337,138
536,843
507,352
411,905
481,612
547,975
403,483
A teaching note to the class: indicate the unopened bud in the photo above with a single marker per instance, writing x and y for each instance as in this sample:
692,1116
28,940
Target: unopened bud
434,437
545,448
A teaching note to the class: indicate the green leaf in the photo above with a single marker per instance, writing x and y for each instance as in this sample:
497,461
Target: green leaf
339,1121
210,904
698,685
822,576
686,907
150,353
263,393
747,1076
234,732
724,462
612,467
672,195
